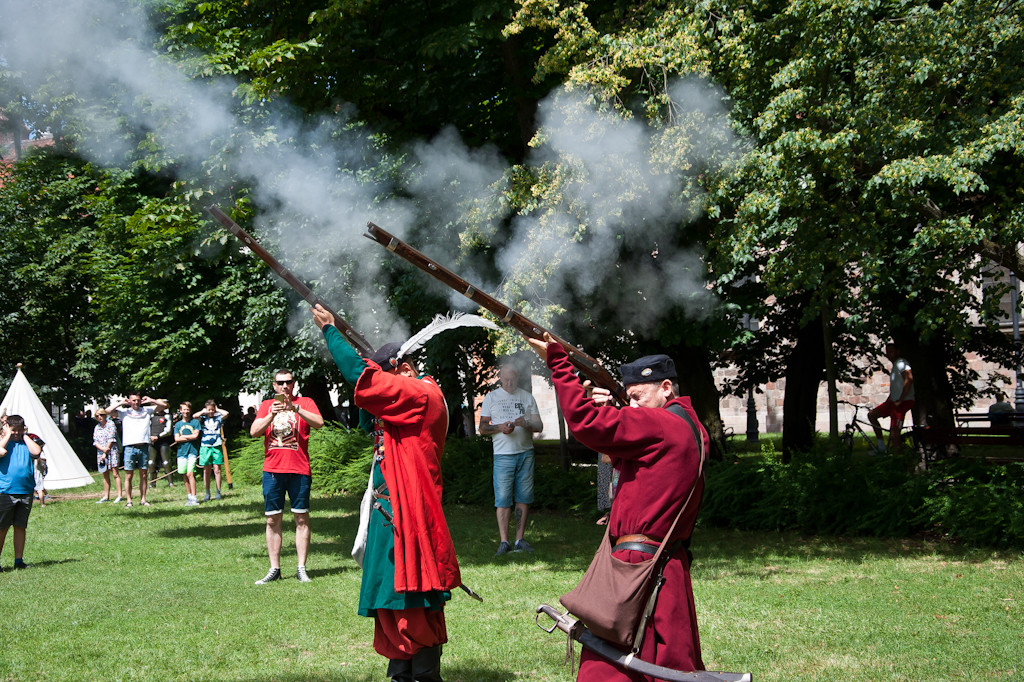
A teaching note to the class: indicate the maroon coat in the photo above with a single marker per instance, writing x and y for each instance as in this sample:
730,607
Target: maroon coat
658,462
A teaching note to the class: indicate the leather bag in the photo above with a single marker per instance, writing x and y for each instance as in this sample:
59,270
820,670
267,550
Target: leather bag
611,597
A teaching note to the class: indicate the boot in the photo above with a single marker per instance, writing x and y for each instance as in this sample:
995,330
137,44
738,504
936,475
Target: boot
426,665
400,670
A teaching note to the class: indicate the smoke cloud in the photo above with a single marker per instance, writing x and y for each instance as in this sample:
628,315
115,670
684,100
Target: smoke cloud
623,193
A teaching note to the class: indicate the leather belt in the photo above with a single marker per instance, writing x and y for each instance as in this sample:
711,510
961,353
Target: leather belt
378,493
637,542
636,547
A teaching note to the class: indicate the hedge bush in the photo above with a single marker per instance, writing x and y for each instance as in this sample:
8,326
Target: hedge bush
823,492
961,499
340,461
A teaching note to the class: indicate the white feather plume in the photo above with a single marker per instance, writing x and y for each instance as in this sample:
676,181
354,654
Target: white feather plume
442,323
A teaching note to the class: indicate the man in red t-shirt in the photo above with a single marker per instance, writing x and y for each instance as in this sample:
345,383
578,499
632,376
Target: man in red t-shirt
284,423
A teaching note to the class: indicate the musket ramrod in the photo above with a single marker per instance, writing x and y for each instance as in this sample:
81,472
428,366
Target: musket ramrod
353,337
587,365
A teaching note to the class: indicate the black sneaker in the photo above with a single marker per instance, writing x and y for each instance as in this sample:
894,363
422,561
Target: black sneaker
20,566
522,546
503,548
272,575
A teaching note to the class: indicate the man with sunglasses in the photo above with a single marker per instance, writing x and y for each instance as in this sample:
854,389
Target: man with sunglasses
284,422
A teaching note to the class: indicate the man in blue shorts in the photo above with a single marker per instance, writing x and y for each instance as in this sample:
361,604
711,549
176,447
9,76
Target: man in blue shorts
285,421
17,483
510,414
135,413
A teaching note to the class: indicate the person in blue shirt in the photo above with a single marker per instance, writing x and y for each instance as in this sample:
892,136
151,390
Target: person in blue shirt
17,483
211,454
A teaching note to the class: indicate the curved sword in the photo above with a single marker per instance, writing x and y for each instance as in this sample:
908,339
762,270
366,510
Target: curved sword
580,633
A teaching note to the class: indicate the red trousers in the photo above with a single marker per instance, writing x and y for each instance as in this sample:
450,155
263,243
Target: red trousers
400,634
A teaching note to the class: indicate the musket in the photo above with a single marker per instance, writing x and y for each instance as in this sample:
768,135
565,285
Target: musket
353,337
581,634
583,362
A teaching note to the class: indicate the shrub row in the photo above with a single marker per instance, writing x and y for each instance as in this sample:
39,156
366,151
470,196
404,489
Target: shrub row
961,499
823,492
340,461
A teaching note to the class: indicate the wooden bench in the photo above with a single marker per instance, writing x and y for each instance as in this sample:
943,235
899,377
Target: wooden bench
992,418
936,442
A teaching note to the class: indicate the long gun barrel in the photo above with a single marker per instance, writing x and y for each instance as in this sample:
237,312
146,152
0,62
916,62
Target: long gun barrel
583,362
353,337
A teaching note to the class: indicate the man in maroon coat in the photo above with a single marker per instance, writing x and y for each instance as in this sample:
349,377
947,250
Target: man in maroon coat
659,463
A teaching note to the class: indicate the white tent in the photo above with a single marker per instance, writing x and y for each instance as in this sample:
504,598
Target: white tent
65,469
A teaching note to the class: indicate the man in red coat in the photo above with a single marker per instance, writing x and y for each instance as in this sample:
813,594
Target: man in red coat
659,463
409,565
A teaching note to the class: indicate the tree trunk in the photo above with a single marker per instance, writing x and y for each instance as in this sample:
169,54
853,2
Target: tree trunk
933,392
803,377
697,380
315,387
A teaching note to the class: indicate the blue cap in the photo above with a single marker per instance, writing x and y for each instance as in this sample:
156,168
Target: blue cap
387,355
649,368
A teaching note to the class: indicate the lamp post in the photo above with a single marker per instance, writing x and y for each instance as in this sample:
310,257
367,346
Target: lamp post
752,434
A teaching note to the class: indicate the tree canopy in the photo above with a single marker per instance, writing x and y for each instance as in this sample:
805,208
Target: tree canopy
645,176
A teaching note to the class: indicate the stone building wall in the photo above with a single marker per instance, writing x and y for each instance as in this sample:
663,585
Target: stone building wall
768,400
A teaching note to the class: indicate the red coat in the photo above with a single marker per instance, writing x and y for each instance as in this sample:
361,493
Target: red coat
658,462
415,420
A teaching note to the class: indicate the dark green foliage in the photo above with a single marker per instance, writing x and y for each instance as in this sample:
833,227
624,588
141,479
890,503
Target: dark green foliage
467,469
962,500
976,502
339,459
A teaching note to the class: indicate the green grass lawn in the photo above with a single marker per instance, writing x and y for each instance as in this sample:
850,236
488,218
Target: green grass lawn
166,592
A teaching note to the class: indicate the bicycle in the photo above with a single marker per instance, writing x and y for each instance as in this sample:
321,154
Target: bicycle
856,426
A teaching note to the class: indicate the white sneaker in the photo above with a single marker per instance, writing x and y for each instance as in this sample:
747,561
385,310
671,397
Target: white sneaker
102,500
300,575
272,575
117,500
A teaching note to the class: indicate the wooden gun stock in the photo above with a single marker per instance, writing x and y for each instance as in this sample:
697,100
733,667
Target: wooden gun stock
350,334
583,362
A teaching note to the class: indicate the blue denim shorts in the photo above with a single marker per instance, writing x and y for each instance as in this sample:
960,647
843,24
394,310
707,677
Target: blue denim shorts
513,479
274,487
135,457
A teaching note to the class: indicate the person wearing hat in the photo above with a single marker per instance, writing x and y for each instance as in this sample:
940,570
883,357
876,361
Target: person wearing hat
104,439
655,450
285,422
409,562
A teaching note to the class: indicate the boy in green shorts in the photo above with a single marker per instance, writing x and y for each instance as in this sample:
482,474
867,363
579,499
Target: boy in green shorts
211,454
186,433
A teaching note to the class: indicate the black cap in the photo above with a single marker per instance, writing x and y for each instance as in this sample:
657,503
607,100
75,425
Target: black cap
386,356
647,369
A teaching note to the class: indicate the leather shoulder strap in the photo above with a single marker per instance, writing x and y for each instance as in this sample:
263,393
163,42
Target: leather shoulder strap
678,410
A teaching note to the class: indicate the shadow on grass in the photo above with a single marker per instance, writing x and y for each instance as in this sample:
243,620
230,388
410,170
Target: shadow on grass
42,564
333,518
722,552
453,673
